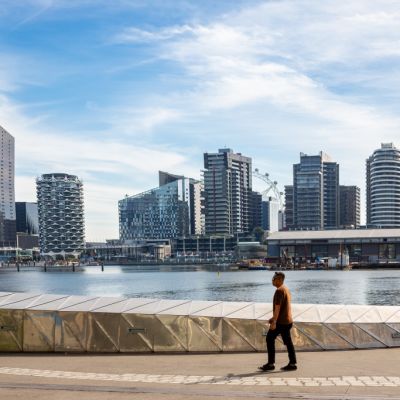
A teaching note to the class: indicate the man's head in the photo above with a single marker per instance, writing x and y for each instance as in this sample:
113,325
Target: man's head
278,279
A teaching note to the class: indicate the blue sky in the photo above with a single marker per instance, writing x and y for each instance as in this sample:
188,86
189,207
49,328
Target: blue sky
113,91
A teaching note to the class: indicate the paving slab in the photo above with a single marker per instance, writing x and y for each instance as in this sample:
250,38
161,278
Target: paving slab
361,374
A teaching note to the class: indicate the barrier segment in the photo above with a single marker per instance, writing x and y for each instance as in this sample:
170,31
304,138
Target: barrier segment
59,323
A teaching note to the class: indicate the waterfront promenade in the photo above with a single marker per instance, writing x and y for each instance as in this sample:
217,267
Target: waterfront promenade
362,374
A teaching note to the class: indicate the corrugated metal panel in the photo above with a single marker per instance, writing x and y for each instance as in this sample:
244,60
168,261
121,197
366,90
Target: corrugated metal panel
49,323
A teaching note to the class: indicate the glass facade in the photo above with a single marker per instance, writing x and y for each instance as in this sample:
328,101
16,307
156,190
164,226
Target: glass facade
349,206
227,192
315,192
160,213
27,218
256,211
289,207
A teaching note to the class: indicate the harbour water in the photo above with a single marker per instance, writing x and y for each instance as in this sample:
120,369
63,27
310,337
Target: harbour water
374,287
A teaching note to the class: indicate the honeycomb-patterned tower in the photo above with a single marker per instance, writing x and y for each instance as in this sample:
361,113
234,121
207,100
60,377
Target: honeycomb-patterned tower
61,214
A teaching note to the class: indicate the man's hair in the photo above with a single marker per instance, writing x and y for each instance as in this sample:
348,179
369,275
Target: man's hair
280,275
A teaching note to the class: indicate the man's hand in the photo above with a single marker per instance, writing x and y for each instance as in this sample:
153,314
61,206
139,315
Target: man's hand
271,320
272,324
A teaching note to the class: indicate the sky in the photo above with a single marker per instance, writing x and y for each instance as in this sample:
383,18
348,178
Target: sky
113,91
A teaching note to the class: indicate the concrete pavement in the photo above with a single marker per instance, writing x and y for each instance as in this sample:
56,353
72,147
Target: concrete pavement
362,374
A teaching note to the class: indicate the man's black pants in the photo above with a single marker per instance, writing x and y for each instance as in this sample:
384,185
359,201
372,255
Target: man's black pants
284,331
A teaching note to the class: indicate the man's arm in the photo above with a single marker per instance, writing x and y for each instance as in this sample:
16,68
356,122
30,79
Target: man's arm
276,312
275,316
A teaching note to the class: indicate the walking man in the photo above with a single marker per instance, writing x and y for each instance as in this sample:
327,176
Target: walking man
280,324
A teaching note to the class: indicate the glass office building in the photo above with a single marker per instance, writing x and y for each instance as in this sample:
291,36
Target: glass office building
27,217
168,211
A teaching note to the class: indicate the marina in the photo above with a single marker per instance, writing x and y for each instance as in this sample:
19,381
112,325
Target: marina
196,282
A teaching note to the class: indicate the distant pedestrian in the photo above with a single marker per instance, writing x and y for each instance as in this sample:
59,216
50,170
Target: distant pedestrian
280,324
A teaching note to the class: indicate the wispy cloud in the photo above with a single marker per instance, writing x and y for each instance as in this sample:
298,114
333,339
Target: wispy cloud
43,6
140,121
316,62
110,168
137,35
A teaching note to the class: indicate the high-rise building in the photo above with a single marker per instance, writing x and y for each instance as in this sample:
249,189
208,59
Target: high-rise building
315,192
27,217
271,215
288,223
227,192
255,210
7,190
383,187
349,206
61,214
169,211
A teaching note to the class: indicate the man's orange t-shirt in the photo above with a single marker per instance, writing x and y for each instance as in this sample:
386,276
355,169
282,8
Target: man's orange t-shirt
282,298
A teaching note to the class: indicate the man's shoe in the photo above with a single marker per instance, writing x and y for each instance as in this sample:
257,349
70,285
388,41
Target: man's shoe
267,367
289,367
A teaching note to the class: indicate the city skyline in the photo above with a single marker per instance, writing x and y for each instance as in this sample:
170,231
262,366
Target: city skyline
114,93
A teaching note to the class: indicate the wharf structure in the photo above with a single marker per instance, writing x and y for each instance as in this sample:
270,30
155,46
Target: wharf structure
363,245
190,249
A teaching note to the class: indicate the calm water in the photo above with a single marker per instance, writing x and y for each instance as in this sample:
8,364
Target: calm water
344,287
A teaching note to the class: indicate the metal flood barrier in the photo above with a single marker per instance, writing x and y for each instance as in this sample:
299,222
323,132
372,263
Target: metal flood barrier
60,323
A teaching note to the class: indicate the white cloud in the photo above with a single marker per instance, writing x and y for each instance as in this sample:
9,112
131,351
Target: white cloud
137,35
305,67
139,121
109,168
234,63
274,79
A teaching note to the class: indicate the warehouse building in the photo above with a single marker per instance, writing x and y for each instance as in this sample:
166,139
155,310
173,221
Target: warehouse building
362,245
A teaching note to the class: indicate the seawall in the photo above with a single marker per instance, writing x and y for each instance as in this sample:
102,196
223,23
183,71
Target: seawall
60,323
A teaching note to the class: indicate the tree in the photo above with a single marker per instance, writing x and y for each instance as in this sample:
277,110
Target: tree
258,233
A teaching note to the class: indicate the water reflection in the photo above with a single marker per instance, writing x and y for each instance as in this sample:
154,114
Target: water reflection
355,287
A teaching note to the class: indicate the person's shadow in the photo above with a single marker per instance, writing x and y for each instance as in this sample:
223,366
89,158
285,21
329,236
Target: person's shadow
238,376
